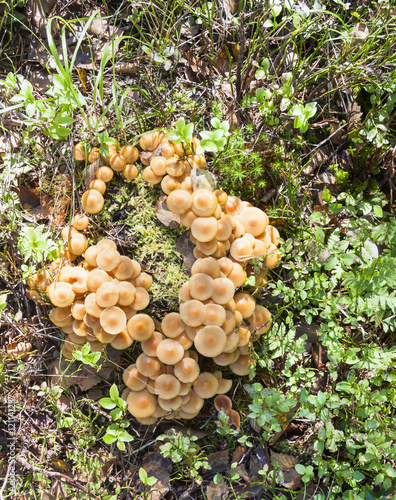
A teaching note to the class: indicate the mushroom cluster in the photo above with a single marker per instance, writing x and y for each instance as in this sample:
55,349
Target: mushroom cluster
96,299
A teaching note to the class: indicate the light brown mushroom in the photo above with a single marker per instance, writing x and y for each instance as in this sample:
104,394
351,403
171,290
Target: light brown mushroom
118,162
130,171
245,304
61,316
170,404
99,185
130,153
169,184
184,340
241,249
210,341
169,351
172,325
142,299
179,201
148,365
96,278
107,295
93,155
91,307
253,220
108,259
260,321
201,286
113,320
127,268
193,312
141,327
167,386
223,403
133,379
175,167
237,275
194,405
204,228
61,294
242,365
206,385
158,165
92,201
150,345
273,257
141,404
144,280
234,419
150,176
80,222
223,291
204,202
187,370
215,315
122,340
104,174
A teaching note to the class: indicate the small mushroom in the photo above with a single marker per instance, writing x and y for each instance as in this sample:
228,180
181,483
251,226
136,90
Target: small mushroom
130,171
224,290
113,320
204,228
204,202
108,259
61,294
141,327
167,386
104,174
99,185
179,201
169,351
187,370
193,312
172,325
80,222
210,341
107,295
92,201
96,278
224,403
141,404
148,365
206,385
133,379
130,153
201,286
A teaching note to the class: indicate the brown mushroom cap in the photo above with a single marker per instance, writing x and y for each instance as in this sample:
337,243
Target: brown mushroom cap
207,247
130,172
104,174
273,257
192,312
61,294
225,265
215,315
141,327
113,320
201,286
80,328
133,379
224,385
208,266
224,403
184,340
179,201
210,341
158,165
169,351
170,404
232,342
93,155
127,293
148,365
229,323
241,249
61,316
79,153
144,280
206,385
175,166
169,184
194,405
260,321
187,370
141,404
96,278
172,325
127,268
107,295
224,290
167,386
204,202
92,201
99,185
234,419
105,243
130,153
108,259
187,218
149,176
253,220
103,336
118,162
150,345
245,304
237,275
77,310
80,222
224,358
184,292
91,307
204,228
121,341
242,365
142,299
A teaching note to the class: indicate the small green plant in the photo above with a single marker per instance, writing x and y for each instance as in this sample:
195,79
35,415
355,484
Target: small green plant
86,357
182,133
302,113
214,141
36,247
145,479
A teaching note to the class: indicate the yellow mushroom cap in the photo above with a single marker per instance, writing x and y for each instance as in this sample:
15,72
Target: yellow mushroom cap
204,202
118,162
127,268
99,185
141,327
175,167
79,153
121,341
158,165
206,385
210,341
169,351
194,405
144,280
245,304
141,404
93,155
91,307
142,299
208,266
96,278
242,365
127,293
167,386
130,172
187,370
260,321
201,286
179,201
108,259
80,222
150,176
193,312
215,315
104,174
92,201
133,379
113,320
225,265
90,255
253,220
237,275
61,294
204,228
172,325
169,184
223,402
61,316
150,345
273,257
224,290
241,249
130,153
107,295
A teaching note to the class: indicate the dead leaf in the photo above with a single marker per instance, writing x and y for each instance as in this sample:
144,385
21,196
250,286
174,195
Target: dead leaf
354,116
285,461
168,218
359,33
18,350
159,467
165,428
217,491
241,470
258,460
126,68
38,10
238,454
27,198
97,25
202,179
90,174
321,155
63,403
218,461
41,80
82,73
291,478
185,247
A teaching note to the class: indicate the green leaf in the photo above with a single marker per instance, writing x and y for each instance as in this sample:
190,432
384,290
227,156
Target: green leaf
173,136
143,475
276,10
358,476
120,445
107,403
180,124
109,439
114,392
378,211
300,469
215,122
390,471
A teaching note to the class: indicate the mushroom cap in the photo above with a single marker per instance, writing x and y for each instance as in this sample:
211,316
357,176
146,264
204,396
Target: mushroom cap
61,294
80,222
167,386
144,280
201,286
93,155
91,307
187,218
224,290
242,365
222,402
224,231
233,206
207,247
79,280
77,310
127,268
225,265
221,196
245,304
118,162
113,320
273,257
80,328
142,299
130,153
204,202
224,385
224,359
130,171
169,184
204,228
90,255
104,174
158,165
175,166
105,243
187,370
194,405
253,220
133,379
61,316
141,327
179,201
149,176
273,234
108,259
215,314
127,293
92,201
260,321
170,352
184,340
232,342
148,365
102,336
170,404
141,404
208,266
229,323
192,312
79,153
206,385
191,331
234,419
172,325
241,249
184,292
96,278
150,345
237,275
121,341
167,150
99,185
210,341
107,295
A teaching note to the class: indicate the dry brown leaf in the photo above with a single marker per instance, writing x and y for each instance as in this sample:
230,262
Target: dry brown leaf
90,174
63,403
126,68
159,467
285,461
168,218
41,80
185,247
217,491
202,179
218,461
